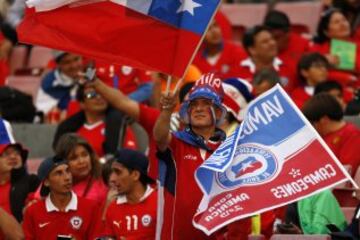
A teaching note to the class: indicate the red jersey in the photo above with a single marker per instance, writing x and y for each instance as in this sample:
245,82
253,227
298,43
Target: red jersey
297,46
4,66
182,160
147,119
5,197
125,78
247,70
95,135
301,94
345,144
224,64
43,221
133,221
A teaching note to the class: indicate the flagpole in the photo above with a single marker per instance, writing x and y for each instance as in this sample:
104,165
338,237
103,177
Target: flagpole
168,83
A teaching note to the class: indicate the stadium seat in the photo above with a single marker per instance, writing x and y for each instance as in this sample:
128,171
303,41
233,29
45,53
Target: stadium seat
346,197
18,58
33,164
247,15
299,237
26,84
40,57
348,212
305,13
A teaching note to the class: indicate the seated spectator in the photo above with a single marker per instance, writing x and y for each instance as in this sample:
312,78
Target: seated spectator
137,198
343,138
264,80
291,46
61,212
16,184
334,89
8,38
334,25
97,123
262,49
84,166
217,55
59,86
311,215
312,70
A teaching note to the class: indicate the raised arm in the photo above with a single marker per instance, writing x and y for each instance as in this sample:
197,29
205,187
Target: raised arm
117,99
162,134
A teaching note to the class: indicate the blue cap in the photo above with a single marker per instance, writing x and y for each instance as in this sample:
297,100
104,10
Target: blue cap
46,166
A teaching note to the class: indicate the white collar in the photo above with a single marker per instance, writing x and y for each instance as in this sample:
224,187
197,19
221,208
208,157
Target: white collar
122,198
310,90
248,62
50,207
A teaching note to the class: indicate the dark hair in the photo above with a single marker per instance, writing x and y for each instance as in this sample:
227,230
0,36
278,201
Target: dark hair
323,25
250,35
80,92
307,60
327,87
144,180
69,141
277,20
269,75
184,90
106,171
321,105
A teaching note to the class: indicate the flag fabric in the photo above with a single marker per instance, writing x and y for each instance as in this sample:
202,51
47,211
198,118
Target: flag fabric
6,136
149,34
274,158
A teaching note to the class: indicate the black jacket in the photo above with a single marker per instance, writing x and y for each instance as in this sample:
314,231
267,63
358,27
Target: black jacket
115,124
22,184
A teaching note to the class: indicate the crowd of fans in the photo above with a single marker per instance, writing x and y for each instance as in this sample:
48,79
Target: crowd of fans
97,185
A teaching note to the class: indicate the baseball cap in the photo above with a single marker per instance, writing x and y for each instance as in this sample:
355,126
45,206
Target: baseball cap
134,160
46,166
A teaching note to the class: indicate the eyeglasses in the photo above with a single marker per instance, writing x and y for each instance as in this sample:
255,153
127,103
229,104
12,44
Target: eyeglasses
90,95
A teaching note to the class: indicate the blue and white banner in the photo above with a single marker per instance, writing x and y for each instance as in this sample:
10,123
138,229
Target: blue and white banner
274,157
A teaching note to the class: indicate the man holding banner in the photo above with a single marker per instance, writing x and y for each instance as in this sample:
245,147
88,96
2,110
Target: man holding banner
184,151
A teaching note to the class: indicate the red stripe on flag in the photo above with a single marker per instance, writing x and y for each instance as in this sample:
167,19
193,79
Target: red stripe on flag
114,33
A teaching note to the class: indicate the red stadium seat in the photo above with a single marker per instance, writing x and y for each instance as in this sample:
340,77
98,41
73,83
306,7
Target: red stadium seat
26,84
299,237
40,57
18,58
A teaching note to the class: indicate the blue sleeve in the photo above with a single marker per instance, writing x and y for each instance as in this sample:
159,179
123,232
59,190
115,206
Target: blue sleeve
143,92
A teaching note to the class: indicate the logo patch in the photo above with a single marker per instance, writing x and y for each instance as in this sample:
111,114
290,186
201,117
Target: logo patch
146,220
76,222
126,70
254,165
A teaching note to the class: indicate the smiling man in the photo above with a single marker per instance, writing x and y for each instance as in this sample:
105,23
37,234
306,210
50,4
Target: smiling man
61,213
184,151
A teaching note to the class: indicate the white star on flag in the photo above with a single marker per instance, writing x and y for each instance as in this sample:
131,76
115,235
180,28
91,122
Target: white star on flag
188,5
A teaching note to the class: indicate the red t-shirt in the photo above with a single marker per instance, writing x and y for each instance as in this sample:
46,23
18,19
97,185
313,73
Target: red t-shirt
133,221
5,197
95,135
345,144
187,159
4,66
41,224
226,64
301,94
247,69
297,46
147,119
124,78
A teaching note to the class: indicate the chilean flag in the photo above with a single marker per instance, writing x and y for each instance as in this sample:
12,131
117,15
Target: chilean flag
6,136
160,35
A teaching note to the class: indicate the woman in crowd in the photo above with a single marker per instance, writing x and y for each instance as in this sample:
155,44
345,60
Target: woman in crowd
84,166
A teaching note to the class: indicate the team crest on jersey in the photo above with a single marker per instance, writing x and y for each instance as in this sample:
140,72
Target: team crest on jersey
76,222
225,68
252,165
126,70
146,220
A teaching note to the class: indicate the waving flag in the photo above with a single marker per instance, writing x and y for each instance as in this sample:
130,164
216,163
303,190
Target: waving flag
6,136
160,35
274,158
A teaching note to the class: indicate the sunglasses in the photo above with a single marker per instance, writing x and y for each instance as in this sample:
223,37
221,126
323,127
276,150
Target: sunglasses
91,95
